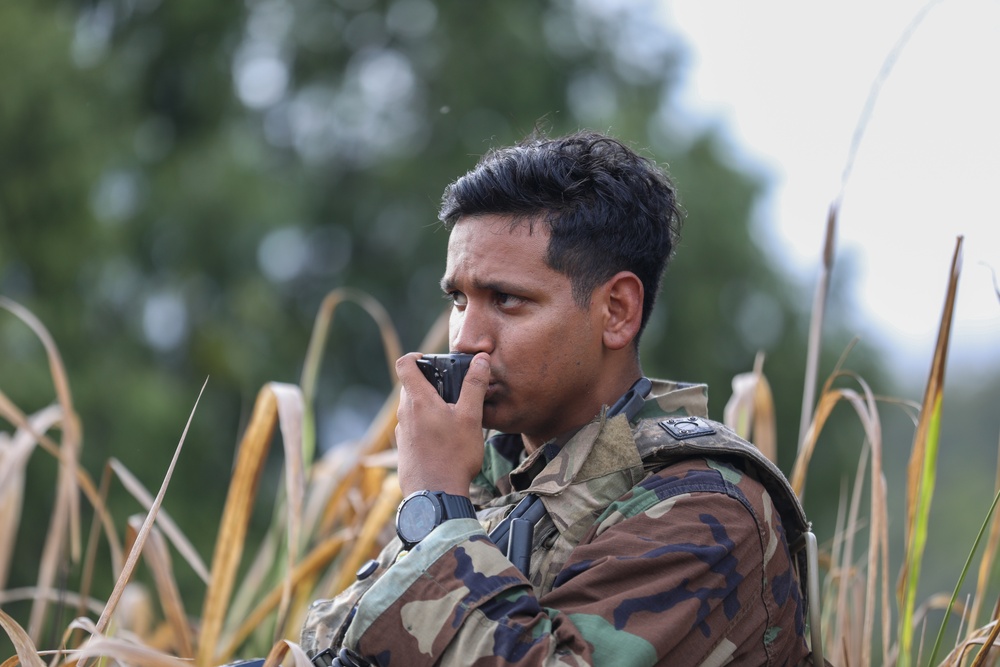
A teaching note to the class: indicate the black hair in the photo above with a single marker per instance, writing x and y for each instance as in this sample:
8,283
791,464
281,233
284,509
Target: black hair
607,208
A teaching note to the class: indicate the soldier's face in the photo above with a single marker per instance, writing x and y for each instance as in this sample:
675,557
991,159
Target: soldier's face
545,351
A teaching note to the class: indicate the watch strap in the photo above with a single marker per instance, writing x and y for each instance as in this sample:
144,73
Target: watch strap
456,507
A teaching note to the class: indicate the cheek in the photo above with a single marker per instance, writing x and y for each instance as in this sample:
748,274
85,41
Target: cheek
546,348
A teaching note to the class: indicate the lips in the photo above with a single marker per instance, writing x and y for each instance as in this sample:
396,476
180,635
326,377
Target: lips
497,387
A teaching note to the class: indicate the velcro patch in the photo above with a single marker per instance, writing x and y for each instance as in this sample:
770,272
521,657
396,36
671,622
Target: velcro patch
683,428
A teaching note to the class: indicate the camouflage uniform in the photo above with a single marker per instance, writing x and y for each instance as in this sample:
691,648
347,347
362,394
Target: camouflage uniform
662,545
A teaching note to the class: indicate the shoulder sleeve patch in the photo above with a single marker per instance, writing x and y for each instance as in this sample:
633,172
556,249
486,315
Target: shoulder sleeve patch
683,428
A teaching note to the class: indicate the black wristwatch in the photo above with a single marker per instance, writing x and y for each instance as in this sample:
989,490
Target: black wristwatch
423,511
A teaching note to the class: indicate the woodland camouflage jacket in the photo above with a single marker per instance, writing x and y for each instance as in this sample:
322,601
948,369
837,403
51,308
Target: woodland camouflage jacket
662,546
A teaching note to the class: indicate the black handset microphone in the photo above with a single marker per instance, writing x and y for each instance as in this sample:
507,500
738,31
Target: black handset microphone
446,372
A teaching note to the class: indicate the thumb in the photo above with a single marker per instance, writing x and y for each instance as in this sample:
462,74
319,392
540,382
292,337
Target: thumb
477,381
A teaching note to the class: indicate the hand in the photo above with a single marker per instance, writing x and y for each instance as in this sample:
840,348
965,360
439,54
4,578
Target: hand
440,445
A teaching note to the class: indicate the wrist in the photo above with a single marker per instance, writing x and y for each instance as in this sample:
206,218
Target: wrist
409,485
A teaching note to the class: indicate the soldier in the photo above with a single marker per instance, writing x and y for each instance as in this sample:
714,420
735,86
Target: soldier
659,538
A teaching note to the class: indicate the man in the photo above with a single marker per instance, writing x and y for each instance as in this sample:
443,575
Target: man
662,536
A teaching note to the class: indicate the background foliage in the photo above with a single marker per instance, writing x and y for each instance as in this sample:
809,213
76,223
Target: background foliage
182,182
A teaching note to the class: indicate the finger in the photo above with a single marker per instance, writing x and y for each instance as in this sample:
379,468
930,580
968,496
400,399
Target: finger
406,365
476,382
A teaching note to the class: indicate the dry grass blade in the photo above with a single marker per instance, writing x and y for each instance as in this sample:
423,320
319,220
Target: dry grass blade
13,414
90,556
765,429
163,520
377,518
235,517
14,455
350,483
321,327
313,563
281,649
878,542
816,323
921,471
71,422
380,434
286,527
158,558
887,66
66,515
750,410
738,413
808,430
822,287
274,399
326,477
865,406
828,400
851,625
378,438
125,653
27,654
936,602
30,593
990,641
290,414
879,547
144,530
257,576
317,343
835,577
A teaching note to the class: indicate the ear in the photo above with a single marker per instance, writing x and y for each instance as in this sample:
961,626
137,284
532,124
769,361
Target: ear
622,300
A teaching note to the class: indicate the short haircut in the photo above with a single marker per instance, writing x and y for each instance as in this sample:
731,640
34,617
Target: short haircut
607,208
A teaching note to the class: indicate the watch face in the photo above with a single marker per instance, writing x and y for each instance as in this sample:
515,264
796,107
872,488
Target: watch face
417,518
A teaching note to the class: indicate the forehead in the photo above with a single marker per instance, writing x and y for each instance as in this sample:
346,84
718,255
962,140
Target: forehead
490,247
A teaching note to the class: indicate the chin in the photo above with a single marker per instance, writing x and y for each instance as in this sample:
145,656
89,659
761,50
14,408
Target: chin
496,421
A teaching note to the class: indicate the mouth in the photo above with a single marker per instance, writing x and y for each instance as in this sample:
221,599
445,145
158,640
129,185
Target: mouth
493,390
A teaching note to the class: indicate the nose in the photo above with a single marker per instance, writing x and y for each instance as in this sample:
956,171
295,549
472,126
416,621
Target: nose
469,331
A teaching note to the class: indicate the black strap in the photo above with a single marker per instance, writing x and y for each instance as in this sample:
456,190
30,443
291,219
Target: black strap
530,508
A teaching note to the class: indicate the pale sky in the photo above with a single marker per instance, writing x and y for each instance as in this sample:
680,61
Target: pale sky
789,80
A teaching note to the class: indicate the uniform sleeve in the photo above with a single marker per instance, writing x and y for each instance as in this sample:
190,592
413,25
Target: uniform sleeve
663,577
326,619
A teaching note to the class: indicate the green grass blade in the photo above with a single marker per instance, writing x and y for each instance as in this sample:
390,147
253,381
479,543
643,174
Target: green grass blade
922,468
918,535
961,577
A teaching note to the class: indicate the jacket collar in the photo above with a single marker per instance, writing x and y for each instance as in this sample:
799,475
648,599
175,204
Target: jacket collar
602,447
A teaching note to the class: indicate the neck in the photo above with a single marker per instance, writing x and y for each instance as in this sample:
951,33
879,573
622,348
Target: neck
609,398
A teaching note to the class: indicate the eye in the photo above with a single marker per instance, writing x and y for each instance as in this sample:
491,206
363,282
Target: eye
505,300
457,299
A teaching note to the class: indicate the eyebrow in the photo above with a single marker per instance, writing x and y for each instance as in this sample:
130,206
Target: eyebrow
448,285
